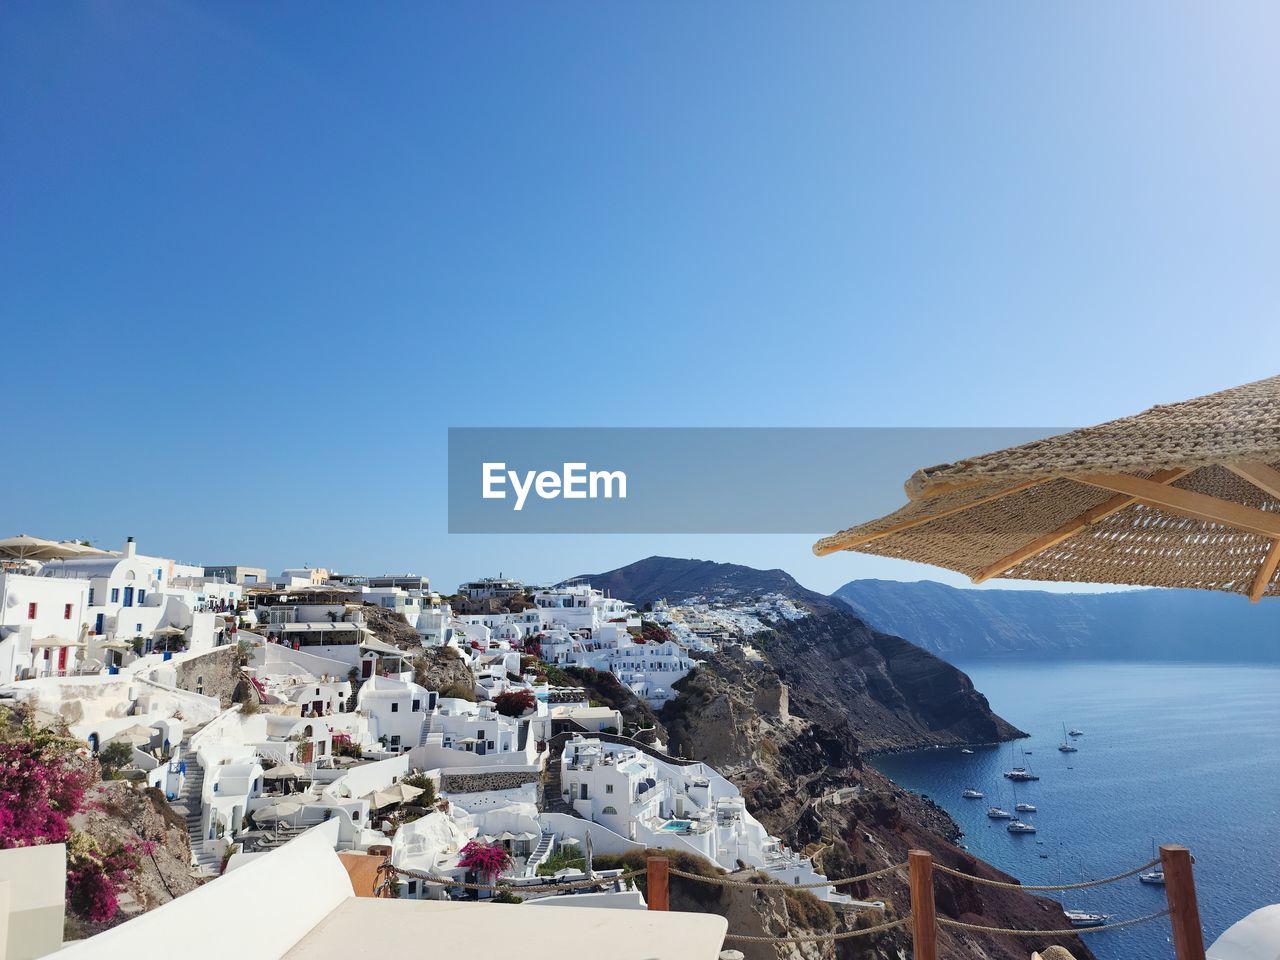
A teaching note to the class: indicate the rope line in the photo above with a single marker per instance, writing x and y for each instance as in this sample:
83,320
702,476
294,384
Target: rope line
1044,886
820,937
1070,931
726,882
512,887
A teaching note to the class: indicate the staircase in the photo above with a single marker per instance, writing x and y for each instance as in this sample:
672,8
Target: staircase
552,790
188,807
426,731
540,854
356,684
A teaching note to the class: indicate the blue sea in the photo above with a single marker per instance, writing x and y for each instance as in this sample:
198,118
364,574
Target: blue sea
1178,753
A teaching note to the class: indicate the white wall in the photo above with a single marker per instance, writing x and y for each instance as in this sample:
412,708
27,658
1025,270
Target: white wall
37,892
259,910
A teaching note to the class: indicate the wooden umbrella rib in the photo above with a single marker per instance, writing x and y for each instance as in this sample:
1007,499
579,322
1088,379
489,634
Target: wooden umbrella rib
842,542
1266,572
1265,478
1073,526
1187,503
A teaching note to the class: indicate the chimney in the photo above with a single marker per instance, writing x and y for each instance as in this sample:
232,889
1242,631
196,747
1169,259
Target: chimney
130,548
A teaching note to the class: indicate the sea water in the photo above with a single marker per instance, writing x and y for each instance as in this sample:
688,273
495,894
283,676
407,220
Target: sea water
1175,753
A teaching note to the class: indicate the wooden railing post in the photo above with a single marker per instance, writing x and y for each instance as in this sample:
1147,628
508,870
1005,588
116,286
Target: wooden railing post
658,879
1184,912
924,920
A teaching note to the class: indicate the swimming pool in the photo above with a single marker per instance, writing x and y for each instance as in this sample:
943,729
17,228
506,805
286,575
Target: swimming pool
674,825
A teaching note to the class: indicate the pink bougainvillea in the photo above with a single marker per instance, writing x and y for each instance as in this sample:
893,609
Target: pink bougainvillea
44,774
487,859
43,779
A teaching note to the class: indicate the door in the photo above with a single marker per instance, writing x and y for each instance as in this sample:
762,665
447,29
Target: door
97,625
62,659
366,669
128,596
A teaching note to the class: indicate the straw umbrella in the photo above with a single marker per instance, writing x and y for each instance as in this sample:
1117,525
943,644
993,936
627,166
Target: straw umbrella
1182,495
24,547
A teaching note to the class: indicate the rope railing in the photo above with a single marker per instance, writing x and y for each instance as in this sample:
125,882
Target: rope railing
821,937
510,887
1068,932
774,886
1005,885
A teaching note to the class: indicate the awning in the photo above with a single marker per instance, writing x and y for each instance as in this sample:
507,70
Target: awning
52,641
1181,495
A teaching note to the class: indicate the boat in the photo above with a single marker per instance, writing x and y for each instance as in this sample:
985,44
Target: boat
1075,732
1154,877
1017,826
1019,774
998,813
966,750
972,794
1083,918
1021,806
1066,746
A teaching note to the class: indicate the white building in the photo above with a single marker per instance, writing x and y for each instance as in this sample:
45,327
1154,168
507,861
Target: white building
680,806
42,629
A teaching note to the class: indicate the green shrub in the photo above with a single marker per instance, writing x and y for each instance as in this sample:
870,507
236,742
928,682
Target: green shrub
114,756
426,784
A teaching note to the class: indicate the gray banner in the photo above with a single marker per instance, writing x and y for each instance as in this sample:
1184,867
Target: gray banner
695,479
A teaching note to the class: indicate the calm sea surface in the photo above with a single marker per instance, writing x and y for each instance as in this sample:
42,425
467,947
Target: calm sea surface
1176,752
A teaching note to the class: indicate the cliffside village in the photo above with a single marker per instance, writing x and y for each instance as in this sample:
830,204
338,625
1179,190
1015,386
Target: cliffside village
286,719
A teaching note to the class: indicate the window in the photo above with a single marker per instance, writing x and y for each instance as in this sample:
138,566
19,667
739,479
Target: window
395,707
142,595
115,594
417,705
66,611
610,811
91,596
31,611
608,788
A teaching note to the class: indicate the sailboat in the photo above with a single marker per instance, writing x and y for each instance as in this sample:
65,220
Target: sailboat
1154,877
1021,806
1020,774
1066,746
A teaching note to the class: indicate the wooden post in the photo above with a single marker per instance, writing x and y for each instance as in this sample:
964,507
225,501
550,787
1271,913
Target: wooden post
1184,912
924,921
658,877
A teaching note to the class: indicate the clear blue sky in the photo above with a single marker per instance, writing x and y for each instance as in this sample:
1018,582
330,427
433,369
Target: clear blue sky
256,258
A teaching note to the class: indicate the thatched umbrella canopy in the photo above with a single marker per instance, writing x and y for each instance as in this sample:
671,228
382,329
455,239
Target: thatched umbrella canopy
1183,495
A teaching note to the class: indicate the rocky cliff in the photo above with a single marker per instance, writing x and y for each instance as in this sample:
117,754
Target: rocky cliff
1133,624
795,757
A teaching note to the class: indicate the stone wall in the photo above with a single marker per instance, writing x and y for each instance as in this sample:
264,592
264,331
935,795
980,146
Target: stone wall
215,674
483,782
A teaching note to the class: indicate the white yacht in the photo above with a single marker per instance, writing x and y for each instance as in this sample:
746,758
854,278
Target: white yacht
966,750
1075,732
1083,918
1024,807
1020,775
1017,826
1155,877
998,813
972,794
